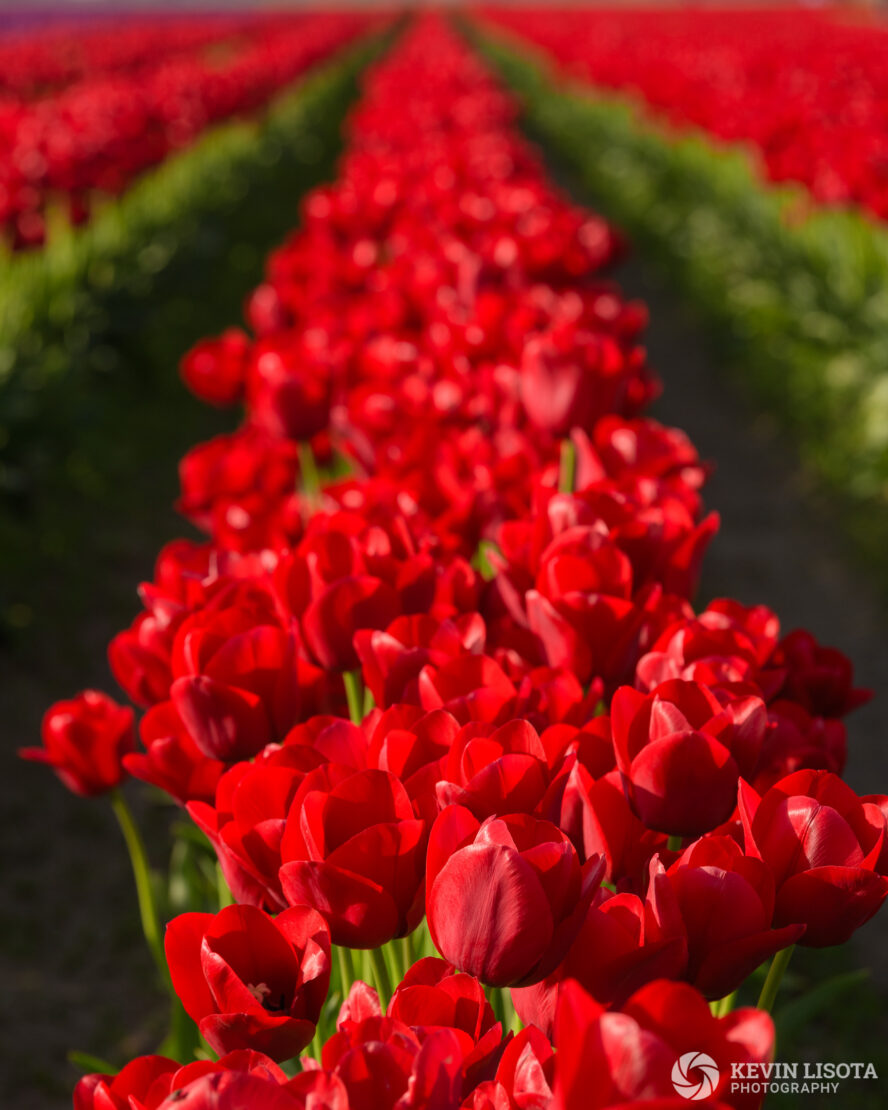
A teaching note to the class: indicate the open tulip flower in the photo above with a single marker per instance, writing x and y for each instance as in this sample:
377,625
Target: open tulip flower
627,1057
250,980
826,849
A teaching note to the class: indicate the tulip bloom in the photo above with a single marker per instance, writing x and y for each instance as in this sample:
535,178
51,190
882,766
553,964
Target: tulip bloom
131,1085
505,898
725,901
355,852
495,771
608,1058
215,369
241,685
84,741
151,1081
826,850
231,1090
681,753
432,995
820,679
373,1061
250,980
288,399
524,1078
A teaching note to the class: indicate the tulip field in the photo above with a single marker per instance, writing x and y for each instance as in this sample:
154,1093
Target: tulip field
749,151
439,785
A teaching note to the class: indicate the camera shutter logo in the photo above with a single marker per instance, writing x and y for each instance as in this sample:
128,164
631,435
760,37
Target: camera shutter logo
695,1075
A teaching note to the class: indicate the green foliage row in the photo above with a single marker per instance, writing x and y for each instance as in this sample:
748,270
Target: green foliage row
799,293
93,417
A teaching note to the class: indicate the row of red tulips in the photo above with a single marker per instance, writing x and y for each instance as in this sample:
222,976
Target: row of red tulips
36,62
96,134
461,678
806,89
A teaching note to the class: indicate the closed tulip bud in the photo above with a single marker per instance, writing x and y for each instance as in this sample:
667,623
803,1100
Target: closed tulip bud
505,898
681,753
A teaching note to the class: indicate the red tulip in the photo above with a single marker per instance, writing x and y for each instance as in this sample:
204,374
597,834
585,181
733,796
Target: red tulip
84,741
250,980
681,753
231,1090
598,817
504,898
524,1077
433,995
172,761
247,821
392,658
494,771
726,643
820,679
826,850
288,400
129,1089
215,369
148,1081
628,1057
569,378
413,745
331,620
725,901
355,852
241,686
383,1064
795,741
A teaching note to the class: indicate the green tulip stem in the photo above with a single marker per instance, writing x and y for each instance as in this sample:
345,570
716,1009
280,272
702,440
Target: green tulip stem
223,891
674,843
775,976
354,692
381,974
392,952
726,1004
310,480
567,471
142,876
345,971
509,1016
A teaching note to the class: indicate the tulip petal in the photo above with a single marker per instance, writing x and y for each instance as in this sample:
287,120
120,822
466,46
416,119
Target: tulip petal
489,914
182,944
